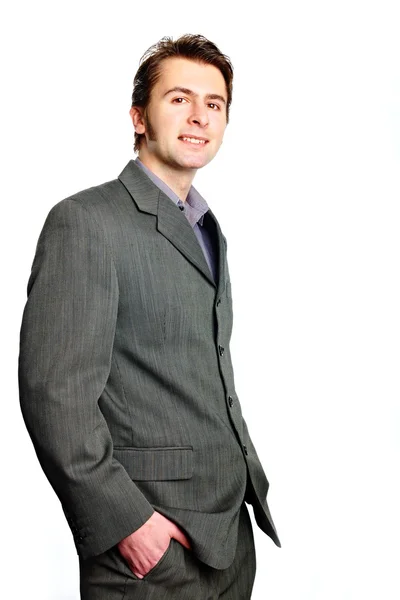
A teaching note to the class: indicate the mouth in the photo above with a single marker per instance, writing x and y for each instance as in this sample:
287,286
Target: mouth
193,140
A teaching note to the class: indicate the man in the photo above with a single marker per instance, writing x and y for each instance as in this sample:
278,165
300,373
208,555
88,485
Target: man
126,380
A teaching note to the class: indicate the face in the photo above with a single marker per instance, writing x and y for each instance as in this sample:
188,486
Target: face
185,120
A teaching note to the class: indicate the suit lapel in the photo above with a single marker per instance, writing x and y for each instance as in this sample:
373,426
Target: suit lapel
171,222
173,225
220,250
143,191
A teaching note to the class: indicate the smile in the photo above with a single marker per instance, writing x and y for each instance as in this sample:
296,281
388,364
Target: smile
193,140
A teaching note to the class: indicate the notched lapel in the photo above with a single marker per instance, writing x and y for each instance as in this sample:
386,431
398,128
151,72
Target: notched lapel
173,225
143,191
221,250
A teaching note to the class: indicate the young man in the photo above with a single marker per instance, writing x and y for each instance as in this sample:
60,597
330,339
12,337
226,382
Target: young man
126,379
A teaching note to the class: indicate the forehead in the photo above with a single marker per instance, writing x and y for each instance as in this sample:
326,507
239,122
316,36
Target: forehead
199,77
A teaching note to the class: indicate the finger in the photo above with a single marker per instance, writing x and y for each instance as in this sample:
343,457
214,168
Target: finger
180,537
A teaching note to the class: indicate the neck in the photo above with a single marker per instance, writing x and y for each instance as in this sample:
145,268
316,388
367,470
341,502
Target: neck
179,180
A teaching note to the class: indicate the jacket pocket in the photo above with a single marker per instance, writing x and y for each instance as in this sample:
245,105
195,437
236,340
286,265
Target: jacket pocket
156,464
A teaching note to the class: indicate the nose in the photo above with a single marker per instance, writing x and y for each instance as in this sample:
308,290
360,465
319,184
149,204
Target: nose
199,115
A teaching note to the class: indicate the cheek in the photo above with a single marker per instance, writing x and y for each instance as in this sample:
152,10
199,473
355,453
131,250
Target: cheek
219,122
219,129
169,125
159,119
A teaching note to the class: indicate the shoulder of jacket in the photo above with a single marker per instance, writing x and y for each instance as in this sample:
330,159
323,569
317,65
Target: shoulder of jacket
98,194
94,200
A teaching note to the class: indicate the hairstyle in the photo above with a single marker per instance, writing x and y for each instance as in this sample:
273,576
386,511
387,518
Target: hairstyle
193,47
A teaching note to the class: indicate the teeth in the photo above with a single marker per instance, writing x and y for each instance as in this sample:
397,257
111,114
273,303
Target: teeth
193,140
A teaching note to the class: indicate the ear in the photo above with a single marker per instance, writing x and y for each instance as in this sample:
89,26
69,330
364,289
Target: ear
137,119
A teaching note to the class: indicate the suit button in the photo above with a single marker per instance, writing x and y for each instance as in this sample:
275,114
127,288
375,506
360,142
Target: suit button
245,450
230,401
218,301
221,350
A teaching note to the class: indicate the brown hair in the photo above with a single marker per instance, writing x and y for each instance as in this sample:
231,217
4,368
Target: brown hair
193,47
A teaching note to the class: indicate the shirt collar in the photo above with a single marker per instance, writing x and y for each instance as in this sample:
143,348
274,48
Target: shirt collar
195,207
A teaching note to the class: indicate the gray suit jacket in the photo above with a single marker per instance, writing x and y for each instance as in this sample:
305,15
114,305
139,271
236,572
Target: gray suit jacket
126,382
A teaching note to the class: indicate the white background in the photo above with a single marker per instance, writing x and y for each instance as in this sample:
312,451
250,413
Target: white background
306,187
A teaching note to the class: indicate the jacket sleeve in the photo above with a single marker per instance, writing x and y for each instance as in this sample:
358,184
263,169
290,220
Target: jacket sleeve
66,346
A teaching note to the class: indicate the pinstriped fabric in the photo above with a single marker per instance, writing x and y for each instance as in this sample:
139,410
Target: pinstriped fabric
155,464
194,207
179,574
126,379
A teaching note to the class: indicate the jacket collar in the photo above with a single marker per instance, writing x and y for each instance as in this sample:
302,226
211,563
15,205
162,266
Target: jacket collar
171,222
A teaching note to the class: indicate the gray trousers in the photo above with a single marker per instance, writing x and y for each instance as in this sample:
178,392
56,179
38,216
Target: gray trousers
178,575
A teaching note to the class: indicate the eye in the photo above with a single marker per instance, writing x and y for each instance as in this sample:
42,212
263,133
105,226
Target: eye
213,106
179,100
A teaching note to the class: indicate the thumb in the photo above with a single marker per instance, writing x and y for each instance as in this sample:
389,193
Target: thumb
180,537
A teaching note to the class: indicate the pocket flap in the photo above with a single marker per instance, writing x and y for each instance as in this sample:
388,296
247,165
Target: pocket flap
156,464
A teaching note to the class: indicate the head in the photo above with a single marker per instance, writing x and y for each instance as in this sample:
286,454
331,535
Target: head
182,88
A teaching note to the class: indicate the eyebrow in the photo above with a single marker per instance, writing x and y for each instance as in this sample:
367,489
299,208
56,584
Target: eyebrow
192,93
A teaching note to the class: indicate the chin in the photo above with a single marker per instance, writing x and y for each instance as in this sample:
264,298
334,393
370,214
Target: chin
195,162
